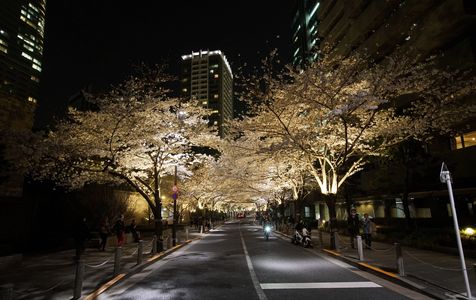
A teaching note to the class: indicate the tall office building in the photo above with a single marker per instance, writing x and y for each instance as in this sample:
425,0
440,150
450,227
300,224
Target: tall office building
207,78
445,29
305,32
22,24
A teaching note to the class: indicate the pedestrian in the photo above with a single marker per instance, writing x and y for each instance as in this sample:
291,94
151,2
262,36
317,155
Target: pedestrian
368,229
104,231
119,228
353,225
81,234
133,230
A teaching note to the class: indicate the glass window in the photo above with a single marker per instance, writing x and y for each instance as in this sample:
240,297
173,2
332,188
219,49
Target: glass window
465,140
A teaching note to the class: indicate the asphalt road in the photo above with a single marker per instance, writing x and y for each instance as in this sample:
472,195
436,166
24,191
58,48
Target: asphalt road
236,262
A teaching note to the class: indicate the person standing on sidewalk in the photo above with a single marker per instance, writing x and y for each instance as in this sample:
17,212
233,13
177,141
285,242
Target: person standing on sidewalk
119,228
133,230
368,229
353,225
81,234
104,232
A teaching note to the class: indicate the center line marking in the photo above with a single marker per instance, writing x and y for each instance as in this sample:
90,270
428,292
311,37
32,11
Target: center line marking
319,285
254,278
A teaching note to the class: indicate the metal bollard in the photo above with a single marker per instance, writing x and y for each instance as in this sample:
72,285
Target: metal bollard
186,234
360,248
117,260
201,229
6,291
321,240
336,241
78,280
154,245
140,248
400,267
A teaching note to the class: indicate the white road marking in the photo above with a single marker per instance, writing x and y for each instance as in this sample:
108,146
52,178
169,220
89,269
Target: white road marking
319,285
254,278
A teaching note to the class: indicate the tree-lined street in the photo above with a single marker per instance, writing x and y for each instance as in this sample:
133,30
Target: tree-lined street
236,262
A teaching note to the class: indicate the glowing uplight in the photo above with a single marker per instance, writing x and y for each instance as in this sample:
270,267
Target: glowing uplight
469,231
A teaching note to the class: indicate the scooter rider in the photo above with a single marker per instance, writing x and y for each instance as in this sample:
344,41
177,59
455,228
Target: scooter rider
298,231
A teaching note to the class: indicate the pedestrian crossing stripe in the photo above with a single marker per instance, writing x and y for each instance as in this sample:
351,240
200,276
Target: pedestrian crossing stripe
319,285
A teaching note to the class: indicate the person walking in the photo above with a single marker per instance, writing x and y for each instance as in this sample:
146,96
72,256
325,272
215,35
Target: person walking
368,229
133,230
81,234
353,225
119,228
104,231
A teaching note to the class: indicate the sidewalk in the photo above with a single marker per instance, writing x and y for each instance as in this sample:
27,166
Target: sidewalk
433,273
51,276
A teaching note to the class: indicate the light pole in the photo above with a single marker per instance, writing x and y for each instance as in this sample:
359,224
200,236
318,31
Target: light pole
445,177
174,223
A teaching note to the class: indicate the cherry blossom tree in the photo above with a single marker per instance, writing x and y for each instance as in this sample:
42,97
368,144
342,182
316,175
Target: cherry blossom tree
339,112
136,136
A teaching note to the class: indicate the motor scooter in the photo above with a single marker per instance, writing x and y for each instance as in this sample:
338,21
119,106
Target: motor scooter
267,231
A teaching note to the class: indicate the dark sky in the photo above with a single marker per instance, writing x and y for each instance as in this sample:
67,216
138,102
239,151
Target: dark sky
95,42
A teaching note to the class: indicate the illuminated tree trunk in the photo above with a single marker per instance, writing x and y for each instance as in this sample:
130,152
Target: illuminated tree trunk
330,200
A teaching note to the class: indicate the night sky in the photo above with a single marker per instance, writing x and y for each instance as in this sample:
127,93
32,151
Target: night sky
96,42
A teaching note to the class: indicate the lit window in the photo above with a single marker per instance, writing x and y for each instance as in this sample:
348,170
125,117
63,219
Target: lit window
216,76
204,102
215,122
211,71
215,96
26,55
34,78
32,100
36,67
214,111
465,140
3,49
184,90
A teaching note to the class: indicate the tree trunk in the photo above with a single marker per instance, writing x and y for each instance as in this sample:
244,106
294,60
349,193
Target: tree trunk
158,223
330,200
405,200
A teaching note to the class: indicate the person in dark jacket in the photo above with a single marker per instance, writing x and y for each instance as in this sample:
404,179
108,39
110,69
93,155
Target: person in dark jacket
81,234
119,229
353,225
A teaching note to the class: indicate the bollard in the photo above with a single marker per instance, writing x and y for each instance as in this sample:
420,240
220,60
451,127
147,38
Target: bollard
360,249
398,251
201,229
140,248
6,291
117,260
186,234
78,280
336,241
154,245
321,240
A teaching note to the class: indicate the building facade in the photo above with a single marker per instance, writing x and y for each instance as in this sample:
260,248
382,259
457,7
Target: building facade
21,49
305,38
446,28
22,26
207,78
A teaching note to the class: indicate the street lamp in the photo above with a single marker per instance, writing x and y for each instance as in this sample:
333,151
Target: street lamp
174,196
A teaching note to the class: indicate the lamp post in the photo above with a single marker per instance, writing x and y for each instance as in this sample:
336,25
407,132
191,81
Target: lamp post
174,223
445,177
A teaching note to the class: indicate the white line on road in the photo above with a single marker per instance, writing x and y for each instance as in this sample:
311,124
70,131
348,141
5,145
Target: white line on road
254,278
319,285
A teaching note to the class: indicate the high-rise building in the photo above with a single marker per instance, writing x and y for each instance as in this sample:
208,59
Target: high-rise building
305,37
22,24
445,29
207,78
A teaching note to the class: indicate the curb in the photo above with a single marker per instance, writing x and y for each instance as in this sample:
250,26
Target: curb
390,276
110,283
